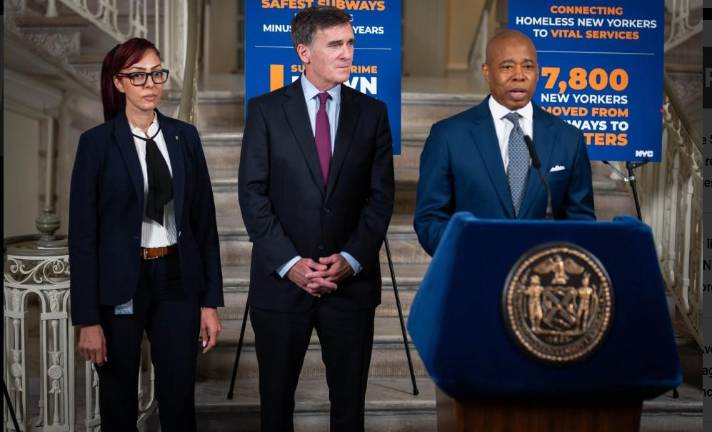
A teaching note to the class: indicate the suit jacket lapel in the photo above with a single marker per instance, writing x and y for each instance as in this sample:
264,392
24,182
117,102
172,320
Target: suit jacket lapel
124,140
544,139
485,137
298,118
173,143
348,118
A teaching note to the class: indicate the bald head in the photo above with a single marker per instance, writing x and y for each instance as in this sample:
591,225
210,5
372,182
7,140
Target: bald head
511,70
507,37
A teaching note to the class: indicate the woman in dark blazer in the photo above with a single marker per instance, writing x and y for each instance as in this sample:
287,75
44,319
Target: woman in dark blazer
143,244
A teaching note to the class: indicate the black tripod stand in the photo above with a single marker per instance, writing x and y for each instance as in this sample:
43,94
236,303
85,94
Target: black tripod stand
400,317
10,408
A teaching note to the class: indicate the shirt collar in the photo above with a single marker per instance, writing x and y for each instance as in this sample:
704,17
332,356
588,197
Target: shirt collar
152,128
310,91
499,111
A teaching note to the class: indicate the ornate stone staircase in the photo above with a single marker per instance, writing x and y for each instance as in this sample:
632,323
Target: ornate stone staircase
74,50
390,405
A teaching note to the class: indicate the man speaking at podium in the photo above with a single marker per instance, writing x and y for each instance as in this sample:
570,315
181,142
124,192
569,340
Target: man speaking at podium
485,160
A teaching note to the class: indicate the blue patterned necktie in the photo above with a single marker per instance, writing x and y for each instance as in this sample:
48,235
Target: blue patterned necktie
518,169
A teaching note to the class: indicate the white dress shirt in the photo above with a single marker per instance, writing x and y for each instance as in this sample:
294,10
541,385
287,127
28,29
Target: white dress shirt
504,127
154,234
333,108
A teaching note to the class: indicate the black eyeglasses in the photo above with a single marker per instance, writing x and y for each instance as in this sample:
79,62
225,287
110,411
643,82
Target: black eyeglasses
140,78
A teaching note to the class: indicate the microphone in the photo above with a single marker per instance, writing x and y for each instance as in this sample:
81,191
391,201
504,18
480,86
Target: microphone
536,163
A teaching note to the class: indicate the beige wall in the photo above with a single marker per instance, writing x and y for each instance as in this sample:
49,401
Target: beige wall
64,164
222,37
424,37
463,16
21,137
35,112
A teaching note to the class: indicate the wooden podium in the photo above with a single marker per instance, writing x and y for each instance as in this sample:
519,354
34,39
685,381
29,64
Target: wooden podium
509,416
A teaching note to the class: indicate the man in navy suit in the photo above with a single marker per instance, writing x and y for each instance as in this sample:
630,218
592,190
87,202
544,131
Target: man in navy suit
477,161
316,192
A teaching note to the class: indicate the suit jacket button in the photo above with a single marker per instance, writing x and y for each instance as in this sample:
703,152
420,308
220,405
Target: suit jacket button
321,247
326,210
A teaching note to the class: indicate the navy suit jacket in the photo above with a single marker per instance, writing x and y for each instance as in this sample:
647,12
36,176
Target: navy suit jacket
461,169
106,212
287,209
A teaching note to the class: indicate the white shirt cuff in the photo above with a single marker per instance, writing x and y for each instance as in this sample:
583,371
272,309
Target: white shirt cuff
285,268
355,265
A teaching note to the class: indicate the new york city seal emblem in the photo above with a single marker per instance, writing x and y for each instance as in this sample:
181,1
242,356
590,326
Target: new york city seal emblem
558,303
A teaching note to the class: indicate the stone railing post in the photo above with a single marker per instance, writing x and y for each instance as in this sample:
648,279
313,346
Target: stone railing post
41,269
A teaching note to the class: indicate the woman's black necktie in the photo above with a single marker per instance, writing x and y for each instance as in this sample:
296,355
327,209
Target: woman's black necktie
160,183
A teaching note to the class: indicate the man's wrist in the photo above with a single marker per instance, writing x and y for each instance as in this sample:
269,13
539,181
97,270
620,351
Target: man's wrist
282,271
353,262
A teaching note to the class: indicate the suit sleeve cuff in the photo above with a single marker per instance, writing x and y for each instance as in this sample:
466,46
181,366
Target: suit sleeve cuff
282,271
353,262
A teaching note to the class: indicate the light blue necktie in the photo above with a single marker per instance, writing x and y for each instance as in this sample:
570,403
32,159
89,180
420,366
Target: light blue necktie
518,169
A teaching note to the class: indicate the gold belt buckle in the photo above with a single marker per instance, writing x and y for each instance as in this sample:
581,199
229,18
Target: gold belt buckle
145,254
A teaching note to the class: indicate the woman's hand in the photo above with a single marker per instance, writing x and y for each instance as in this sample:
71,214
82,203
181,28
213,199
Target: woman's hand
209,327
92,345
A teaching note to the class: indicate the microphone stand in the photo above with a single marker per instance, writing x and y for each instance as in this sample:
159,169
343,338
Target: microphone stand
549,209
630,179
536,163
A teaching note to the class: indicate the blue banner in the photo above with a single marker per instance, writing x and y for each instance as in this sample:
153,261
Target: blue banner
601,69
271,62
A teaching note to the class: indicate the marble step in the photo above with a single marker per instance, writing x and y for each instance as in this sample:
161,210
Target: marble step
216,111
408,278
235,247
420,109
61,21
93,41
229,217
222,152
224,185
388,358
59,41
610,199
390,406
612,195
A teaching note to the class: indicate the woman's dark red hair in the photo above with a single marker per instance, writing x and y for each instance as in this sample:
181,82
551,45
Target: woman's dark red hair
120,57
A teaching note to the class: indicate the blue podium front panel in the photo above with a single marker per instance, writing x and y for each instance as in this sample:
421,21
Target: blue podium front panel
457,323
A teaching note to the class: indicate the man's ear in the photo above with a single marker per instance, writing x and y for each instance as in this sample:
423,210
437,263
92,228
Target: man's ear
119,85
485,71
304,53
